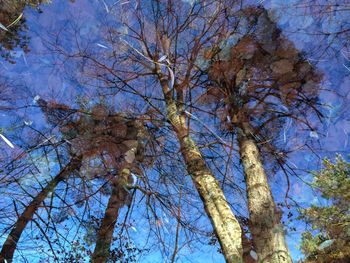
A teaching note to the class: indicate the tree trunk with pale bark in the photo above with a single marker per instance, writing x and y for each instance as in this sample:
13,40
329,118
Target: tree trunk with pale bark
266,229
10,244
225,224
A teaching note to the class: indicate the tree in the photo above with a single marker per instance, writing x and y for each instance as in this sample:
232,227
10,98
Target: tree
116,139
254,77
54,115
124,159
329,237
217,208
10,245
162,56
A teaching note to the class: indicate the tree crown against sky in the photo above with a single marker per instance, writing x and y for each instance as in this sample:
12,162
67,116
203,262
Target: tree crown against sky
259,76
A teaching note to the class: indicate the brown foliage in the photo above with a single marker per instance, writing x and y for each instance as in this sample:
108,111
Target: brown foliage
254,73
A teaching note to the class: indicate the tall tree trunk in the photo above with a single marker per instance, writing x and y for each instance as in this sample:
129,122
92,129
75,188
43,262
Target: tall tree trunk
10,245
117,199
224,222
266,229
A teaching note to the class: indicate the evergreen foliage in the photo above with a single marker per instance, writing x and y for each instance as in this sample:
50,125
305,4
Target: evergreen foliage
332,221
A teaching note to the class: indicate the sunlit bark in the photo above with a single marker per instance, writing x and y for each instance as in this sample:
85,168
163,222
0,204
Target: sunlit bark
10,244
217,208
117,199
266,229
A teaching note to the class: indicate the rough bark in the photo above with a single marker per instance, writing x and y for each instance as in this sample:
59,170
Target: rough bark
225,224
117,199
10,244
266,229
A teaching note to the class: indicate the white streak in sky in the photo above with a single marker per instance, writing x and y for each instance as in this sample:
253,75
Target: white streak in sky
7,141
